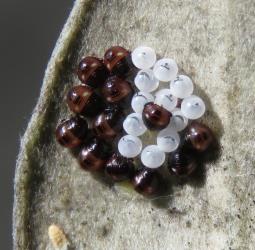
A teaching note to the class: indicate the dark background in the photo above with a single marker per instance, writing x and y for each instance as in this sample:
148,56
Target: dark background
28,32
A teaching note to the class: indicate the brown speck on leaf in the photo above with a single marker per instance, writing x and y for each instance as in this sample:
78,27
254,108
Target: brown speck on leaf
188,224
175,211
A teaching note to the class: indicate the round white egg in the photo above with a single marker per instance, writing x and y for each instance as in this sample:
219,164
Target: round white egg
168,140
182,86
152,156
178,120
165,98
129,146
146,81
133,124
139,100
143,57
193,107
165,69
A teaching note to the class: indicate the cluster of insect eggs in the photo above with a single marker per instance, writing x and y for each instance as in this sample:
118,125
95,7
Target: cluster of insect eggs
167,111
102,96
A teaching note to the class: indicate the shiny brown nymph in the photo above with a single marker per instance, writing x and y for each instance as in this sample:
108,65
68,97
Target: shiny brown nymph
94,155
119,168
108,124
92,71
155,117
72,132
117,91
147,181
181,163
117,60
199,136
83,100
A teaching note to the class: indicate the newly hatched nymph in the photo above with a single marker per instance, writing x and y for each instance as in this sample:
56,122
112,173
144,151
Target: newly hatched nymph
71,133
82,99
155,117
92,71
117,60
